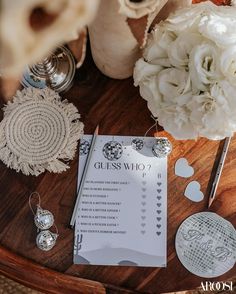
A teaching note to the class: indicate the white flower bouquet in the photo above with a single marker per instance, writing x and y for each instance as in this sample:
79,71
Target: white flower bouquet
188,72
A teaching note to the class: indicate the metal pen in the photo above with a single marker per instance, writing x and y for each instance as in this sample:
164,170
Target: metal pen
220,167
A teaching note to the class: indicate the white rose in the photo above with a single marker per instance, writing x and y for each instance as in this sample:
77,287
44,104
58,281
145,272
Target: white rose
174,86
137,9
145,76
214,113
188,19
188,73
204,66
173,82
228,64
180,49
219,26
158,42
144,70
166,94
175,119
149,91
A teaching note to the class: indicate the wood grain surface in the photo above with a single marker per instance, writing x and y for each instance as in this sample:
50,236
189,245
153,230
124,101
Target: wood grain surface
119,110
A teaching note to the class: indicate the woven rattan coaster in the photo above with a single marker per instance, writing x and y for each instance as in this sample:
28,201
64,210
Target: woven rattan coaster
39,132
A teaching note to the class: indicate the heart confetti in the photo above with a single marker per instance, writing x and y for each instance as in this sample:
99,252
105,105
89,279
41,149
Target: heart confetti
183,169
193,192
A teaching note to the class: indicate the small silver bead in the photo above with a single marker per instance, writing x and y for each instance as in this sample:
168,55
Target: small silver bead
43,219
162,147
46,240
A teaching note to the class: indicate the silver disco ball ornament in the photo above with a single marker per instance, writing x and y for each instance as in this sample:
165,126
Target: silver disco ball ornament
112,150
137,144
84,147
46,240
162,147
43,219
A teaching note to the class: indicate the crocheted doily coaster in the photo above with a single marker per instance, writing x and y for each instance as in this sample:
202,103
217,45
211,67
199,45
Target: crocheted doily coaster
39,132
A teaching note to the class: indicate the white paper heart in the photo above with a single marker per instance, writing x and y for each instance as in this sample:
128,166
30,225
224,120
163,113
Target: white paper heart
193,192
183,169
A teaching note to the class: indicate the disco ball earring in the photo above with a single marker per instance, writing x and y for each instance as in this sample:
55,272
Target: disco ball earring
43,220
46,240
162,147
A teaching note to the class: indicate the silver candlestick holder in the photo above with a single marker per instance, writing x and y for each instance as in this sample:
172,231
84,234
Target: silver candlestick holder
56,71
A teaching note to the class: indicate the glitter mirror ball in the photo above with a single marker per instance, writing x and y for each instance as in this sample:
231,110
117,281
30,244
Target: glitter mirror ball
137,144
84,147
112,150
46,240
43,219
162,147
